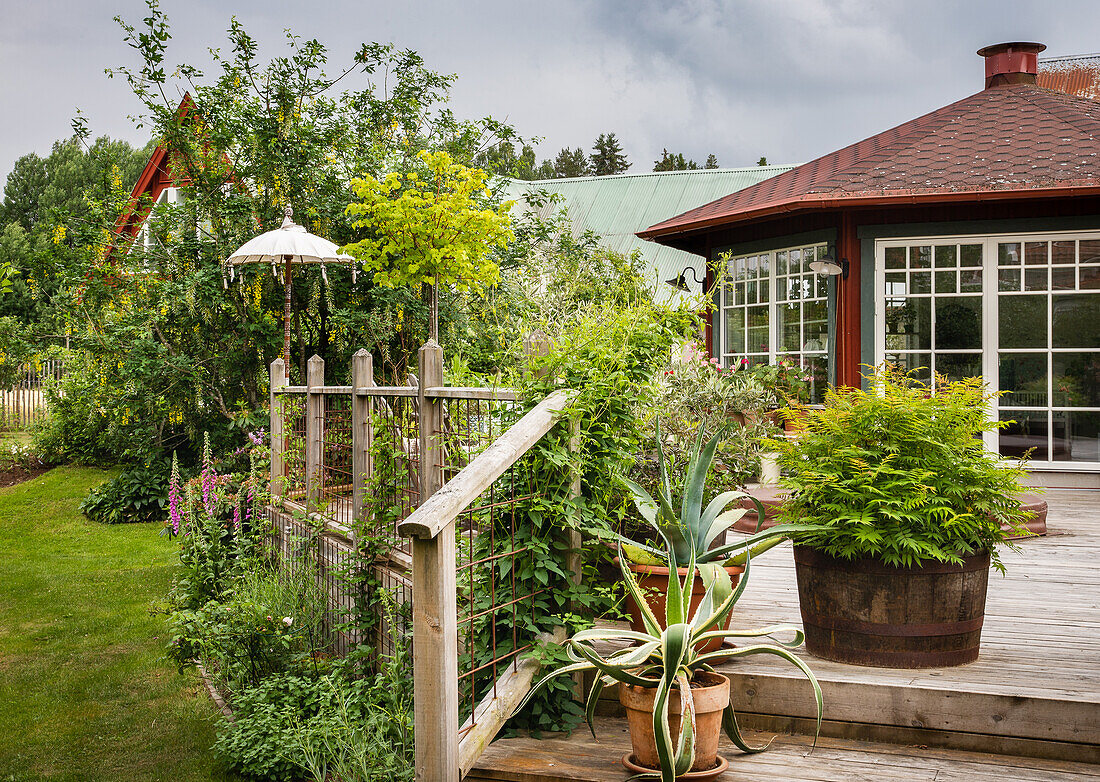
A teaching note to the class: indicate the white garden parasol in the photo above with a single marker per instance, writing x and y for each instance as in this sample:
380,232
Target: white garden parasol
288,244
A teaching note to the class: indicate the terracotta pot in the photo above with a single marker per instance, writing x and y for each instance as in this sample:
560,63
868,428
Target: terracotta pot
653,580
710,700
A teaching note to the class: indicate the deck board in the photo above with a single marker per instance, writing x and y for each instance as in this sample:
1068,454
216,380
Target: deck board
579,758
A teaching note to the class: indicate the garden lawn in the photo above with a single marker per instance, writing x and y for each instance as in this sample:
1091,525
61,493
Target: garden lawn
85,690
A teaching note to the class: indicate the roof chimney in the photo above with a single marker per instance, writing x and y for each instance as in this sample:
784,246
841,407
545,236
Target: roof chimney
1011,63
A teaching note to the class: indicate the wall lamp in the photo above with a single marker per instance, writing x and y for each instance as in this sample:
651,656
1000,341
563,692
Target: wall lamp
679,282
828,265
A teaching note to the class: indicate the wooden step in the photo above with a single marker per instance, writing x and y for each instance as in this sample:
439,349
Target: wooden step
580,758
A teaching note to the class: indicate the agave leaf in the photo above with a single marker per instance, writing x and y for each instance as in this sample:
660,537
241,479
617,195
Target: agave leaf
717,527
643,555
726,606
695,482
763,632
745,651
719,504
685,750
611,634
609,669
590,703
649,619
581,666
643,501
718,585
779,531
665,493
662,734
729,725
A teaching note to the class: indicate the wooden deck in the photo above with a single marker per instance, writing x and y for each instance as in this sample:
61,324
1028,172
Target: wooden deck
1032,699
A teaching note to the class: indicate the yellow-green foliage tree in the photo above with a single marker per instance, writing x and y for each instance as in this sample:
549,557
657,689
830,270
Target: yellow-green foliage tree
430,227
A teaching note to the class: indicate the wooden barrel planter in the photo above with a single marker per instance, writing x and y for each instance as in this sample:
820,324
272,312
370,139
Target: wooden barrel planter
864,612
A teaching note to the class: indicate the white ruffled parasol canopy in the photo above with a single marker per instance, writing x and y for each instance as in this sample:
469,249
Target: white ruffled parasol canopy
289,244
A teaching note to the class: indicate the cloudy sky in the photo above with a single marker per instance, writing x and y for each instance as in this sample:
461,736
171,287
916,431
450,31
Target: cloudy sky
787,79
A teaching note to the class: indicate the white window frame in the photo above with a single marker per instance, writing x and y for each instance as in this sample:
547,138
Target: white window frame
990,353
773,304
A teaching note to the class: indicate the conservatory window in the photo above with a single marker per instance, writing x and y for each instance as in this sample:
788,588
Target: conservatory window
773,306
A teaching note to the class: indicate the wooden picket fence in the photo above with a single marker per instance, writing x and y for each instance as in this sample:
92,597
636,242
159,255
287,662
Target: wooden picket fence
26,401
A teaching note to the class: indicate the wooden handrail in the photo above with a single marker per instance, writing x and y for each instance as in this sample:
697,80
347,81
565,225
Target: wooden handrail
451,499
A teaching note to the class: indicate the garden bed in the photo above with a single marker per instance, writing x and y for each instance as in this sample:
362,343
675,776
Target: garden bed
11,474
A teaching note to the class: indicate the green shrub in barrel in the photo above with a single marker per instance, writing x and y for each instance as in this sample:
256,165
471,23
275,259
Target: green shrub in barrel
901,509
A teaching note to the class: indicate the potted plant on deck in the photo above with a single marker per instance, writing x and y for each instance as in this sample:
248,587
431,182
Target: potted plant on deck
688,531
676,737
900,511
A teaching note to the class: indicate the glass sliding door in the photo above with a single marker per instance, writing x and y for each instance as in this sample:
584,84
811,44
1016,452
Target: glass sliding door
1021,311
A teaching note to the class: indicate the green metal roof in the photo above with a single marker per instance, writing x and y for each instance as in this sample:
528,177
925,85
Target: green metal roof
617,206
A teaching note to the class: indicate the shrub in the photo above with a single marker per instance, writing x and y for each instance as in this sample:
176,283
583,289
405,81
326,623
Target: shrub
899,473
139,494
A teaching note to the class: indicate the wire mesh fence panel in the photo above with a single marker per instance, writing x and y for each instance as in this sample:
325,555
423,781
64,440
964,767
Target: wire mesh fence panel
294,446
496,569
335,474
393,487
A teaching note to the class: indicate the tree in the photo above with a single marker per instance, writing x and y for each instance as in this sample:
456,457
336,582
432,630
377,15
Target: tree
674,162
607,156
428,229
762,161
571,163
712,161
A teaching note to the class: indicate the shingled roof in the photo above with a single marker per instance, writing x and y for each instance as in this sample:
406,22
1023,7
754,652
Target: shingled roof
1007,141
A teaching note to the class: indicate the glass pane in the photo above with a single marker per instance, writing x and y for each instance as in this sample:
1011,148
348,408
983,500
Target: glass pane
795,261
1090,251
794,287
1008,279
758,329
789,338
1076,436
970,255
946,282
1063,278
1035,253
959,365
808,255
895,257
1062,252
765,264
921,282
946,256
918,363
959,323
735,331
1035,279
971,280
1008,254
817,367
1076,380
1076,320
815,326
1027,433
750,292
727,294
762,289
895,284
739,288
1024,379
1023,321
909,322
1090,277
822,285
920,257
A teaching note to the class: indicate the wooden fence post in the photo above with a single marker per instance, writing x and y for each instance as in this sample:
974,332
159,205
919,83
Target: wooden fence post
315,431
362,432
435,613
535,345
277,429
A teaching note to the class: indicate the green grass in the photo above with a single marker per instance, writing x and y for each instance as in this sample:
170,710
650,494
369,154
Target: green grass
85,690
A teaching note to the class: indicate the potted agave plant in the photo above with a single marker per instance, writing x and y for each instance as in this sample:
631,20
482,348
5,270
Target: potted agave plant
667,656
690,534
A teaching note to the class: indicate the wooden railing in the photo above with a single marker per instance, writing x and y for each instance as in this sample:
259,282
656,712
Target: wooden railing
445,484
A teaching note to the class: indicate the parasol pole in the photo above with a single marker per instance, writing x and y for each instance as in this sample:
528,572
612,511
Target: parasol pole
286,315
